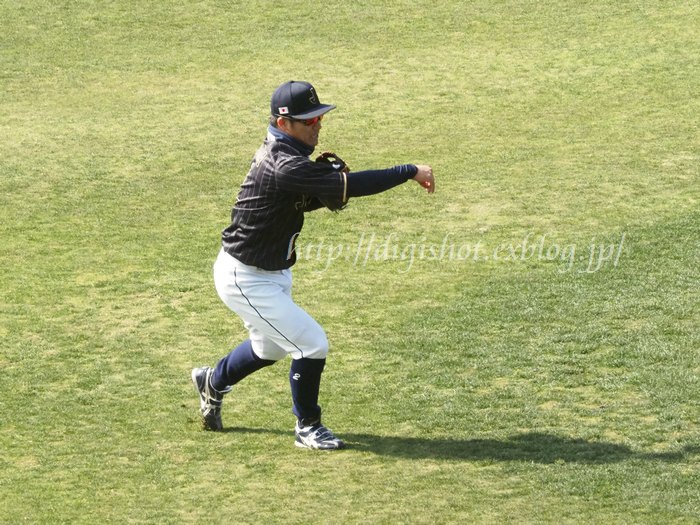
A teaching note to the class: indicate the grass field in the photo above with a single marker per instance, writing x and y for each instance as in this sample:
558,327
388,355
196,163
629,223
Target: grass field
520,347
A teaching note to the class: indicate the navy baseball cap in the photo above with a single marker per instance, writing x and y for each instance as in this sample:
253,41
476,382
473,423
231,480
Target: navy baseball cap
297,100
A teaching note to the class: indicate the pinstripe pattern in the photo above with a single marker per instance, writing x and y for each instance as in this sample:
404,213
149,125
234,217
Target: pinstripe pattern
269,213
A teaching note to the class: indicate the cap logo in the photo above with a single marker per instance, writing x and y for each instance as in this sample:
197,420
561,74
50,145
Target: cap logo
312,98
284,110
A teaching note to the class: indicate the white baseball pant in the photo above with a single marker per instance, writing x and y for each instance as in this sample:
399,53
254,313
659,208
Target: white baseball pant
263,300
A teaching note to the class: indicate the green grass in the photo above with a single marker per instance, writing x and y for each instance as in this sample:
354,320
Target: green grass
522,388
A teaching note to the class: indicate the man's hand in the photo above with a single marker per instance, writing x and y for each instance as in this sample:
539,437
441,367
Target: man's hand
425,178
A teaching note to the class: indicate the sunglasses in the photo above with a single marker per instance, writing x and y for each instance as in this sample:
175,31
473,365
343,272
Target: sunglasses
308,121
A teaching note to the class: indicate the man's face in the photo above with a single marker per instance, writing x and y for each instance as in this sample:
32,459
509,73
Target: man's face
304,131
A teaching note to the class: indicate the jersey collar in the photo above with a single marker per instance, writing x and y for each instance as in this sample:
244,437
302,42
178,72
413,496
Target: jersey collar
276,134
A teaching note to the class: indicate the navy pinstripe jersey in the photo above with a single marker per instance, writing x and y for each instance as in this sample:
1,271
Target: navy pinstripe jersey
281,185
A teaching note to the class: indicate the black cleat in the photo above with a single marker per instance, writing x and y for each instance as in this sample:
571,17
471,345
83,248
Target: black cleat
210,400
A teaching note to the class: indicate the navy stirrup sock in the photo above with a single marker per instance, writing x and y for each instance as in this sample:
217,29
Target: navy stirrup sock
238,364
305,381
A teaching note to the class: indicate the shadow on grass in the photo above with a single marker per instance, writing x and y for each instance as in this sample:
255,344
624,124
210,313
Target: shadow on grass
531,447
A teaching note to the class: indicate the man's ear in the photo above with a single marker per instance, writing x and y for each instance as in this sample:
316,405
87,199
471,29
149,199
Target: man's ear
283,123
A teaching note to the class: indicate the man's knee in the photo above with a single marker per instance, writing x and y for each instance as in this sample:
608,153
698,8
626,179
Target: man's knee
268,350
313,343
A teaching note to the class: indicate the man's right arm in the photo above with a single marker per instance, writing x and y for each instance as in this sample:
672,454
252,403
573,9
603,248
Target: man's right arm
362,183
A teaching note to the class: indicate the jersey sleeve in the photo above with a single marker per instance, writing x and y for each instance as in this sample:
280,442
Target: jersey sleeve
369,182
314,179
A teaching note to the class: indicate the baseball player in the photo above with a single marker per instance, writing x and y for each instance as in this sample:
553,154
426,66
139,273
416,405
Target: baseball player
252,272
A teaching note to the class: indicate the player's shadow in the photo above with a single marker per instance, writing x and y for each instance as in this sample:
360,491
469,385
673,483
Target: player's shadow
530,447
